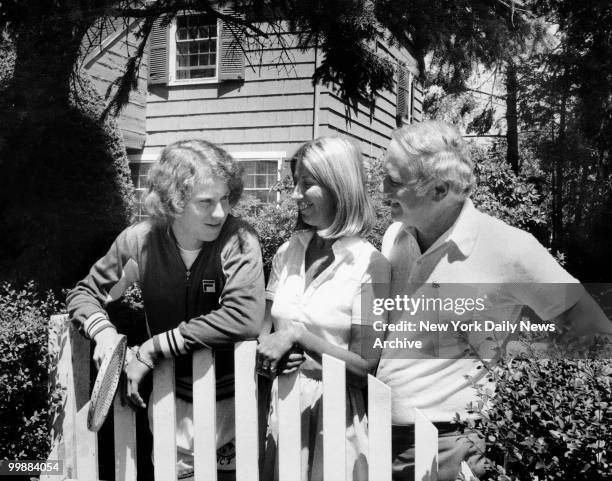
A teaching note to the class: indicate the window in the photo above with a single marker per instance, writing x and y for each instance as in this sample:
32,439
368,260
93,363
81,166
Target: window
139,179
403,114
261,174
260,178
409,99
195,52
195,49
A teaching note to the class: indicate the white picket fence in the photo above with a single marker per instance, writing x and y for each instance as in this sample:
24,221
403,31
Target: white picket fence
77,446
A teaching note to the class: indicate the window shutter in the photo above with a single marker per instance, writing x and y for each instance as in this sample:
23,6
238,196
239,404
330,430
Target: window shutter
403,99
231,63
158,53
417,101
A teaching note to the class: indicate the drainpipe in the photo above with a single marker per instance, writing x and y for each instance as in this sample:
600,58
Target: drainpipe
316,96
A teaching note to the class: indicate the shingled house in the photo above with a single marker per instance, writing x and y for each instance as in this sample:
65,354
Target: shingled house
260,105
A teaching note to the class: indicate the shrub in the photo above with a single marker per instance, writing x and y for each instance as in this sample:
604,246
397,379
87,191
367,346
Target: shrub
25,404
503,194
375,172
548,420
274,224
67,190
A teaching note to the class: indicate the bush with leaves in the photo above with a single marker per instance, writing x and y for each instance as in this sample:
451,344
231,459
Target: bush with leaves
67,191
25,403
503,194
375,173
274,224
549,419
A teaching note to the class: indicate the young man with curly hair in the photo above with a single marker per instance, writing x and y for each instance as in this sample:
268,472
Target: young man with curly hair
200,272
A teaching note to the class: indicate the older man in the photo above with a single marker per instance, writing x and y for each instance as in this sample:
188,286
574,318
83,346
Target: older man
440,237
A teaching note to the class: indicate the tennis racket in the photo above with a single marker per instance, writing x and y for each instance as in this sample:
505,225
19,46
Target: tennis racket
106,384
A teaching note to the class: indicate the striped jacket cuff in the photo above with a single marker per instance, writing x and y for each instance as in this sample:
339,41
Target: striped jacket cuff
96,323
170,343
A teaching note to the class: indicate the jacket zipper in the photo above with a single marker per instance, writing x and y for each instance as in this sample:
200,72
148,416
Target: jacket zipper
187,286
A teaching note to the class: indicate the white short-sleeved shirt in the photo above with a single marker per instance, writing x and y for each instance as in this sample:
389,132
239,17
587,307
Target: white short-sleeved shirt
491,256
332,301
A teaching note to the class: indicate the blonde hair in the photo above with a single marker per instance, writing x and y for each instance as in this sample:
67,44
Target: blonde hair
180,166
436,151
336,164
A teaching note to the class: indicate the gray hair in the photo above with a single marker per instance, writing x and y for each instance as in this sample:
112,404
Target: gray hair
436,151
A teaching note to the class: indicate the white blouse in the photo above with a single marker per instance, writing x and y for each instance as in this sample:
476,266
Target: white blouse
332,302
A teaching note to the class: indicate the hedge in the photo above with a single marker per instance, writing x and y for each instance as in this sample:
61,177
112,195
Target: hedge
25,403
66,183
549,419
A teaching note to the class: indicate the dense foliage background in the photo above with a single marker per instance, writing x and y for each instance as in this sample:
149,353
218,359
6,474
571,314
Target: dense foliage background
26,405
548,419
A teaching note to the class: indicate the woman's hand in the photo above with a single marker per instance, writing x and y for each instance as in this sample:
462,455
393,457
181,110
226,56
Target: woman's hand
137,368
273,347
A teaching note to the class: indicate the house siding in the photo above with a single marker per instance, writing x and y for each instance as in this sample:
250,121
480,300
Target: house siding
271,110
370,125
105,63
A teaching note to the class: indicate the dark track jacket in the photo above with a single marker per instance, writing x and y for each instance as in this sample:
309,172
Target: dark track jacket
219,301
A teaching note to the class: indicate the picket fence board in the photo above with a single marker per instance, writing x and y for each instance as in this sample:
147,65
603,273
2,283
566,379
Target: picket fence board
124,419
247,429
334,419
425,448
204,416
57,375
79,446
86,442
164,421
379,430
289,429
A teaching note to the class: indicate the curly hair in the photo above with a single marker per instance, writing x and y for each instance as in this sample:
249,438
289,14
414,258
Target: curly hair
336,164
179,168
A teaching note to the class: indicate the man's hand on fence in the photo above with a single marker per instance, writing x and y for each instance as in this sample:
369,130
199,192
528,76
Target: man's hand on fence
105,341
139,366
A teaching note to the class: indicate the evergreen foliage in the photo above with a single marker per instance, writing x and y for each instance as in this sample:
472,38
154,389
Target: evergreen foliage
66,192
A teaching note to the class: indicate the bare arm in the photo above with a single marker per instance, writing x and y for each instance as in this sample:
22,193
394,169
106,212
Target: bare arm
374,284
274,346
585,318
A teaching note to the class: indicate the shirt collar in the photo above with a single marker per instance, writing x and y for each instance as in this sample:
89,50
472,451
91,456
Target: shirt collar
342,247
462,233
465,229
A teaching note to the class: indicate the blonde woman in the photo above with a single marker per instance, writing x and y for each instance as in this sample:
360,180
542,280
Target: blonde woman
314,298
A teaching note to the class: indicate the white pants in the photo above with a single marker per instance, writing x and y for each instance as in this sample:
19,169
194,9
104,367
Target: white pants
226,433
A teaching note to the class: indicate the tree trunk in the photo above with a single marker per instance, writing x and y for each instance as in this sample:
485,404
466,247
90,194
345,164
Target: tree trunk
512,155
559,162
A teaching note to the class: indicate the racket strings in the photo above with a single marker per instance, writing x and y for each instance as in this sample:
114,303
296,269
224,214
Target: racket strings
106,386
